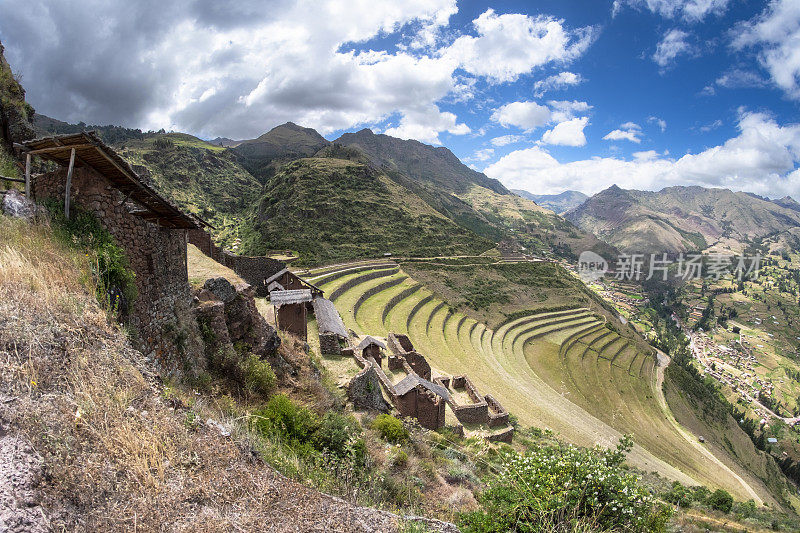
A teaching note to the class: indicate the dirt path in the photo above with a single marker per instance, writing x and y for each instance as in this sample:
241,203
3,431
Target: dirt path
663,361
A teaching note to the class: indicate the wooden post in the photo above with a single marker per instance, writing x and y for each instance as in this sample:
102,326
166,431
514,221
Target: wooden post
69,182
28,176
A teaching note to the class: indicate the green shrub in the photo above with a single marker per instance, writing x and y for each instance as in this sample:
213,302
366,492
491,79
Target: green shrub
398,459
113,277
257,374
721,500
390,428
556,488
283,417
678,495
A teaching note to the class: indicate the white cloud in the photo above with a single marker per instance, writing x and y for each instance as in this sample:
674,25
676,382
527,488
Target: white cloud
563,110
525,115
555,82
507,139
424,125
660,122
510,45
237,70
689,10
629,131
762,158
567,133
776,34
738,78
482,155
671,46
712,126
708,90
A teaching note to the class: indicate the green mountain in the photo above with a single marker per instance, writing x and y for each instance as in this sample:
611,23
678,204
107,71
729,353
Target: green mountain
263,156
679,219
559,203
333,209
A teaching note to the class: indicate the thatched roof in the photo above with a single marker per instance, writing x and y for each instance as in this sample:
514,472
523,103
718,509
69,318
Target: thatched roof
92,152
368,340
411,381
328,319
298,296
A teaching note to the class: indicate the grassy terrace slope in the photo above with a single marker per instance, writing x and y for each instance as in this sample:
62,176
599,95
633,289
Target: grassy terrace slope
566,369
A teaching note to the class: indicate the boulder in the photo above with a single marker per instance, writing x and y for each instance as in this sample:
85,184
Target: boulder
221,288
231,315
364,390
15,204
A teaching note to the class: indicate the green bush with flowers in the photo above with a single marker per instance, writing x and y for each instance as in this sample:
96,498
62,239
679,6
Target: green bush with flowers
566,488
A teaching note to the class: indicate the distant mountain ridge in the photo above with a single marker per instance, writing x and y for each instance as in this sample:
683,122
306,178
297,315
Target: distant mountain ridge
683,218
559,203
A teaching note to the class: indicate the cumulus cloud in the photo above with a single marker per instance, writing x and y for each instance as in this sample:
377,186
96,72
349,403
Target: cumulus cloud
689,10
555,82
563,110
629,131
775,33
671,46
503,140
762,158
510,45
525,115
567,133
237,70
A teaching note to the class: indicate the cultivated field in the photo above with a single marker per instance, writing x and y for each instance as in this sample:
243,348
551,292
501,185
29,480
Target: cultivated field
567,370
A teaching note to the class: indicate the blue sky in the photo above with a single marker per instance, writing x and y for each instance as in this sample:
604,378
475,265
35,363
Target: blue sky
545,96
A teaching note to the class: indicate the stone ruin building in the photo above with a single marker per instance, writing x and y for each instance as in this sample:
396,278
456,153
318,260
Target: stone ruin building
291,310
151,230
419,397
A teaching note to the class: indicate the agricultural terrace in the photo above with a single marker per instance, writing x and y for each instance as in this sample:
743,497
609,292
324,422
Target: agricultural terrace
561,364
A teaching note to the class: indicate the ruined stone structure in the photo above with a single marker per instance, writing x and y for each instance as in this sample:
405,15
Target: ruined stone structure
476,412
332,331
265,274
291,310
150,230
371,348
418,397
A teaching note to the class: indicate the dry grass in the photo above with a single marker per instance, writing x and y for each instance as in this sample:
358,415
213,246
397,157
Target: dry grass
202,267
120,453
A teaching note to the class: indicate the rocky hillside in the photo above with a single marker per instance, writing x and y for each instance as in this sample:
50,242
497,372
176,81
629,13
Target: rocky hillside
558,203
680,219
15,113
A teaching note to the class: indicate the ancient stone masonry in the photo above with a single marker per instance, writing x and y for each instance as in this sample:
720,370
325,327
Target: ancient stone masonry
157,254
263,273
417,396
498,416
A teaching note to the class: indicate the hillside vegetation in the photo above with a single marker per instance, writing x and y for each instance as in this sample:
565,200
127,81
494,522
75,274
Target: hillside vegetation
569,368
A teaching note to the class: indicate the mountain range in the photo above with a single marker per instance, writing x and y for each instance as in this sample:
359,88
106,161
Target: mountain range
681,219
559,203
361,195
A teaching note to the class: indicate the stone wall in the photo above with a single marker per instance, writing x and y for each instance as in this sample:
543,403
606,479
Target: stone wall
254,270
329,344
473,413
157,255
498,416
